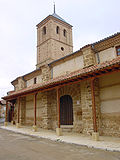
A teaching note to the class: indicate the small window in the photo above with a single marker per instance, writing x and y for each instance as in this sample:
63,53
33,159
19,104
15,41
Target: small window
62,48
64,33
44,30
118,50
57,30
35,80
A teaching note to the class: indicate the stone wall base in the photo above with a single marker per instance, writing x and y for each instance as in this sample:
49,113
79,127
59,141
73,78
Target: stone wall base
34,128
12,122
95,136
18,125
5,123
59,131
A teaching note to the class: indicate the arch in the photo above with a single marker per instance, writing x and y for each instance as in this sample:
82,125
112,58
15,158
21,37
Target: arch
44,30
64,33
66,110
57,29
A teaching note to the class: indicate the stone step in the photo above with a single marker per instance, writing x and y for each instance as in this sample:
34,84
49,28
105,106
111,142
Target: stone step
66,128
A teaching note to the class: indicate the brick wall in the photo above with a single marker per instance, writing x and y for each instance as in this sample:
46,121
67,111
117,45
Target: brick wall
86,102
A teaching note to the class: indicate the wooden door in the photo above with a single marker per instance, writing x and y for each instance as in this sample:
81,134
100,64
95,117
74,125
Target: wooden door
66,110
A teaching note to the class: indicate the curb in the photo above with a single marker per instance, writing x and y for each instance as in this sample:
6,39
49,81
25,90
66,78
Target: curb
62,141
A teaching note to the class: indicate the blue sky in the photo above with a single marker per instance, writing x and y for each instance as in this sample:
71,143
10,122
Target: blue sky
92,20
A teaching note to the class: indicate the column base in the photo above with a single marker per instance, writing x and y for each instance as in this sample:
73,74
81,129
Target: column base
95,136
59,131
12,122
5,123
34,128
18,125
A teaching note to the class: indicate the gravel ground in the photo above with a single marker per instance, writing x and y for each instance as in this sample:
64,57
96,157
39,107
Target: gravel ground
20,147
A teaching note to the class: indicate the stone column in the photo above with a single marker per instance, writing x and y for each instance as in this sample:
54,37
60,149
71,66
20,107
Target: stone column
46,73
86,103
6,114
58,130
87,109
12,109
95,134
18,114
88,56
35,102
22,110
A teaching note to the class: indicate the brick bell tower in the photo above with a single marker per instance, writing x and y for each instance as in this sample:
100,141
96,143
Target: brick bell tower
54,39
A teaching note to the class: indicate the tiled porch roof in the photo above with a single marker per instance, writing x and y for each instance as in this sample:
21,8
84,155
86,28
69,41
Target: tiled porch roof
82,73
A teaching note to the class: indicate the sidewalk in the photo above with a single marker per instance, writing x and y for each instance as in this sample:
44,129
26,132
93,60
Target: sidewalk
105,143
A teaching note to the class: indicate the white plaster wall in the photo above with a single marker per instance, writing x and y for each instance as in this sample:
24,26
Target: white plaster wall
110,93
29,106
112,106
107,54
109,80
31,81
68,66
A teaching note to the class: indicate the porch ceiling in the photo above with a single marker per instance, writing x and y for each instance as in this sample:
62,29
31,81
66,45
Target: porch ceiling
95,71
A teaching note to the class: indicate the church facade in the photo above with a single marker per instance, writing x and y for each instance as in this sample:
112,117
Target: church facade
69,91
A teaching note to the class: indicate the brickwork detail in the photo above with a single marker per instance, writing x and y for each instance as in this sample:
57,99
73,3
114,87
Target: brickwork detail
110,124
74,92
86,102
22,110
88,56
21,84
49,44
15,113
52,110
46,73
42,110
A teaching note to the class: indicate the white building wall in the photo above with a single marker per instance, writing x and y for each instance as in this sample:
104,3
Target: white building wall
31,81
110,93
68,66
107,55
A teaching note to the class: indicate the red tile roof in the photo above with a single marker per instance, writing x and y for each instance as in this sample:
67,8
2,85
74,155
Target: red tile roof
64,78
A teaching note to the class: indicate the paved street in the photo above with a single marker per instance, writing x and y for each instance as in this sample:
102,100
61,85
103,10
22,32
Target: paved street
19,147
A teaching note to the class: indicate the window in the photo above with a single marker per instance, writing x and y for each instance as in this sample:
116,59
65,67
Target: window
64,33
118,50
35,80
44,30
57,30
62,48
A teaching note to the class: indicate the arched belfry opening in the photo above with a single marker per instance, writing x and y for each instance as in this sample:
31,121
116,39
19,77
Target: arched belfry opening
66,110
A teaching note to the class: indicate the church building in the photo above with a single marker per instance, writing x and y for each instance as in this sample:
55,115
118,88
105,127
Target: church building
69,91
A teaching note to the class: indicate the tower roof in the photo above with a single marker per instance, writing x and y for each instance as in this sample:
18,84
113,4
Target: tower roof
58,17
55,16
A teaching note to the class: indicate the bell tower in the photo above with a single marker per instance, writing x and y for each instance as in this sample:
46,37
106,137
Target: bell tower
54,39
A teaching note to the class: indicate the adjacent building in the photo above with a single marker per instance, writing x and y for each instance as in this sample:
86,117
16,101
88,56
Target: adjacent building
2,108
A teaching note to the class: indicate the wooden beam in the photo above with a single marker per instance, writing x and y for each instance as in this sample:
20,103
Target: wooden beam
35,104
93,105
18,111
65,82
58,106
6,112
